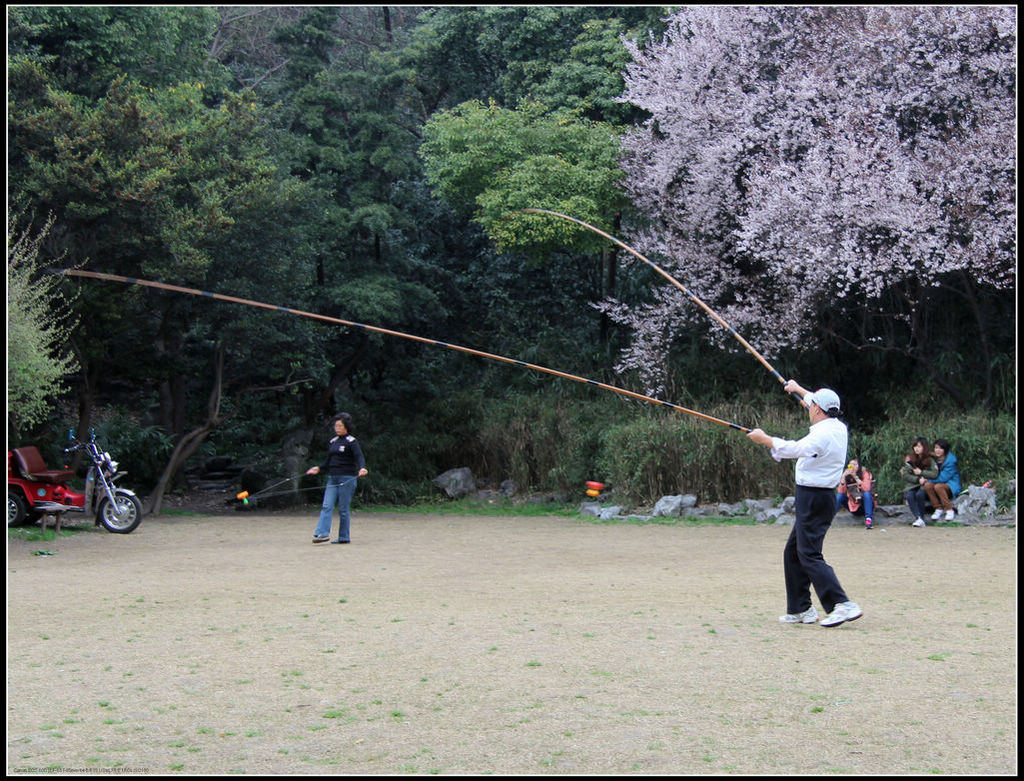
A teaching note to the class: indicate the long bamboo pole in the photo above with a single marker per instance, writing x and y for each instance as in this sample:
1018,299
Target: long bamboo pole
399,334
718,318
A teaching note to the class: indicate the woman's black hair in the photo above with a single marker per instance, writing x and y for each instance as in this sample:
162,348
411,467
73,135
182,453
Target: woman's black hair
345,418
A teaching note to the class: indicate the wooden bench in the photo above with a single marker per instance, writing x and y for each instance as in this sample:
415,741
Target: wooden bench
51,511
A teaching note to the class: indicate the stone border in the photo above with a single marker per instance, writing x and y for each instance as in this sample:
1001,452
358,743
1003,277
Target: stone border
976,506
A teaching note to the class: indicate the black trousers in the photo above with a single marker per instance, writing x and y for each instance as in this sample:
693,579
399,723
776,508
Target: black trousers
802,559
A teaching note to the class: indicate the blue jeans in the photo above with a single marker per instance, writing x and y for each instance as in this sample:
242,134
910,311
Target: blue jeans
339,491
867,504
917,500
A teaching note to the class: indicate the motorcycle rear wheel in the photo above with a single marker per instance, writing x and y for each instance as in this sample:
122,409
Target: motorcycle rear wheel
122,519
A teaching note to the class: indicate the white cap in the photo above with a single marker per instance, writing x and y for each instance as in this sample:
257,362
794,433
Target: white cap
826,398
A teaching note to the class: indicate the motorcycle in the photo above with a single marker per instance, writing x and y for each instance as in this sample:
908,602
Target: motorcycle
33,489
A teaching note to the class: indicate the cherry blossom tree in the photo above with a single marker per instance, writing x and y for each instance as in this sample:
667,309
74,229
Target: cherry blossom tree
802,162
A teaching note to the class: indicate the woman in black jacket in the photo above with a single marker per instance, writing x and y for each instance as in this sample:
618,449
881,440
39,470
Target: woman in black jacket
344,465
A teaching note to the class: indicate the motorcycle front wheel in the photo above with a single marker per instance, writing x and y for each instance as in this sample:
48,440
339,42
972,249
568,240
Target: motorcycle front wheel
122,519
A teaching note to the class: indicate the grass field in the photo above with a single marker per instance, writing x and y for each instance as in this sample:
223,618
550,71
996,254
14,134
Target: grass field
470,644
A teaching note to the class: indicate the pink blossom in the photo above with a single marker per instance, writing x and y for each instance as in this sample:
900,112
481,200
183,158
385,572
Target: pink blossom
796,156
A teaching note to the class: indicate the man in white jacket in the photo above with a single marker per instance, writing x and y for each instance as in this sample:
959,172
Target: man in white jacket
820,459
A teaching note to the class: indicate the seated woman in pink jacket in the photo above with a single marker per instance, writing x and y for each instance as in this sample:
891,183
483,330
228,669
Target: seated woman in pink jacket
854,490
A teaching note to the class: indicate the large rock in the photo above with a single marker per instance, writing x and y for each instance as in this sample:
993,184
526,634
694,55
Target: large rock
977,501
755,506
456,483
673,506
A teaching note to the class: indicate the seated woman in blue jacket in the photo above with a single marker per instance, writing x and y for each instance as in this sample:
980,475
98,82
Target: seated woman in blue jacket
946,486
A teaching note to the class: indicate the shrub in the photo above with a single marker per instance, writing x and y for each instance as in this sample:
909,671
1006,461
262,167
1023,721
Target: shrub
558,437
659,454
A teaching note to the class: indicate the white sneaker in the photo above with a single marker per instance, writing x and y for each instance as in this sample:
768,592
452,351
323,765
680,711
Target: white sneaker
841,613
809,616
918,522
950,515
936,515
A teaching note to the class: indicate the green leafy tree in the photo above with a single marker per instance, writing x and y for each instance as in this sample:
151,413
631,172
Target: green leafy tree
514,53
306,188
149,181
171,182
347,127
37,328
85,48
543,131
589,82
492,162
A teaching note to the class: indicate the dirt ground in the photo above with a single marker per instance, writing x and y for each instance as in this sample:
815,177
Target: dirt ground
507,646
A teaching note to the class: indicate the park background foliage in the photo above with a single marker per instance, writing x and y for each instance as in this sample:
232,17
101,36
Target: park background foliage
839,182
